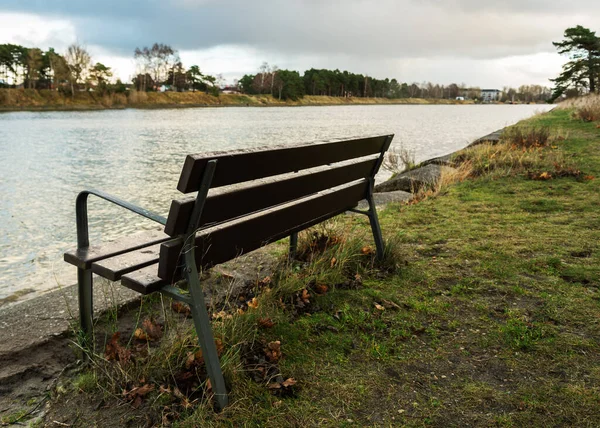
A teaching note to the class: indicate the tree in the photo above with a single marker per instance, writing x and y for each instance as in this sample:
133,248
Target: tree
158,61
78,60
99,76
34,67
195,77
582,46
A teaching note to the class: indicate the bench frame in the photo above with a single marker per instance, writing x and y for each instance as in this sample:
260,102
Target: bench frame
195,299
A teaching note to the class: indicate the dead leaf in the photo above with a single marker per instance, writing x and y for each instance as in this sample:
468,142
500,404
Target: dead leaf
265,322
379,307
367,250
208,385
265,281
273,351
114,351
305,296
181,308
288,382
333,262
140,334
219,345
253,303
589,177
274,385
545,176
321,288
222,315
152,330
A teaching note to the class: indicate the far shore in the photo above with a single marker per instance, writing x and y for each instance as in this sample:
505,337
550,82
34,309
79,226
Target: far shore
46,100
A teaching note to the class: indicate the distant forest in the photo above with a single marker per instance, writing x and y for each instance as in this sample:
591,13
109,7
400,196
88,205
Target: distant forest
159,68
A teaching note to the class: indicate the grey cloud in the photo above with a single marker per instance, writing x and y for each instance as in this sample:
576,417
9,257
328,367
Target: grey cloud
364,29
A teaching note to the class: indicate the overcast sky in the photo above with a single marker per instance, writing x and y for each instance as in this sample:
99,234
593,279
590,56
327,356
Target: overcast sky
478,42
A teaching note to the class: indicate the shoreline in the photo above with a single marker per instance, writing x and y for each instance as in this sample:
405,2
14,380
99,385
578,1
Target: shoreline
18,100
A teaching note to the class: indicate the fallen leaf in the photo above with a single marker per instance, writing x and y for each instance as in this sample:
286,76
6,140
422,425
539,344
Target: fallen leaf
253,303
140,334
265,281
333,262
367,250
153,330
181,308
321,288
219,345
379,307
274,385
305,296
265,322
222,315
208,385
114,351
273,351
589,177
288,382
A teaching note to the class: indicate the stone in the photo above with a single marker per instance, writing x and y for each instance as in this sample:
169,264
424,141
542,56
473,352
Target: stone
413,180
493,138
382,199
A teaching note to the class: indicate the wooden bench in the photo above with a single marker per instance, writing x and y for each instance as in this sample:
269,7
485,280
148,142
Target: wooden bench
256,197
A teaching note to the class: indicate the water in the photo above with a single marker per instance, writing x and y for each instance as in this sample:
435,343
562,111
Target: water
47,158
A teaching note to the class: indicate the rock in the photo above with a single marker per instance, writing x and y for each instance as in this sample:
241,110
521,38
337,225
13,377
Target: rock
413,180
382,199
441,160
493,138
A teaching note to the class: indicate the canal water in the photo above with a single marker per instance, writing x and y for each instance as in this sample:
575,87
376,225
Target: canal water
46,158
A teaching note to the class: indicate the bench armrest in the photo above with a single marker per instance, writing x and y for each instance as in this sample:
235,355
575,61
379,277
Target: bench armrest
82,217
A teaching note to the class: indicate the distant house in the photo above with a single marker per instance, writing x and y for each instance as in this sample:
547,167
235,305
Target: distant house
490,95
230,90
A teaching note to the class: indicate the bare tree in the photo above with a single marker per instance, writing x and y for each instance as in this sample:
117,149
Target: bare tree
78,60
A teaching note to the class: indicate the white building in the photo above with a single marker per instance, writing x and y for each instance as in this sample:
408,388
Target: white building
490,95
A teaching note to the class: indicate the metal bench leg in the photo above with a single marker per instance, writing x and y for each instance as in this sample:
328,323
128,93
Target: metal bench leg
205,334
293,245
374,220
86,303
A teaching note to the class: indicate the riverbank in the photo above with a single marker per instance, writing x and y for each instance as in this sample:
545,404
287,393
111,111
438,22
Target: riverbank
485,315
44,100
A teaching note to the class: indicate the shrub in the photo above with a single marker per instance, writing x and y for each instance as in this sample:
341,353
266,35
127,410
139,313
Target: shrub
527,136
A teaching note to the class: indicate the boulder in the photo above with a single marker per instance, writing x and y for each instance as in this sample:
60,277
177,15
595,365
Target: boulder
413,180
382,199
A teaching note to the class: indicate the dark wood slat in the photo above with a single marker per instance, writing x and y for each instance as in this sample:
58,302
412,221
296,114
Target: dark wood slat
266,193
245,165
229,240
144,281
115,267
84,257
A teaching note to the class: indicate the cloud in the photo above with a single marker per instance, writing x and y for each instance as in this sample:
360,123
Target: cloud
368,34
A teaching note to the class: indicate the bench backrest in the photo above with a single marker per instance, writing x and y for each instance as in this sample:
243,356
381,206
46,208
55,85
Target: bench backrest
262,195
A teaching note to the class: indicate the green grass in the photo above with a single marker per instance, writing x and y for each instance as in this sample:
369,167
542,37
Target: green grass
487,314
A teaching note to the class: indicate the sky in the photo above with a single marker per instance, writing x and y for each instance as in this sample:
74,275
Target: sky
481,43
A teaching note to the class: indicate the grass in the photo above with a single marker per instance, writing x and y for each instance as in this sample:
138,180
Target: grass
484,314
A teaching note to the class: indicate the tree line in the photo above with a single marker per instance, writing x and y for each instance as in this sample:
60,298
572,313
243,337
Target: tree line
156,66
159,67
286,84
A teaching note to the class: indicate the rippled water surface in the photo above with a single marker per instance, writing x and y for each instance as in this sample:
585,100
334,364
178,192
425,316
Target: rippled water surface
46,158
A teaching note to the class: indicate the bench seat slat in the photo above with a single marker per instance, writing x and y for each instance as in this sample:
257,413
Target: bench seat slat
266,193
84,257
144,281
225,242
114,268
244,165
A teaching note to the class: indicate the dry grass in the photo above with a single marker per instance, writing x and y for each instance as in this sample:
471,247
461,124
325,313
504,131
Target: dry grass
399,160
586,109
